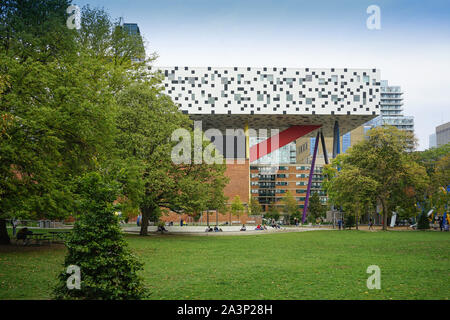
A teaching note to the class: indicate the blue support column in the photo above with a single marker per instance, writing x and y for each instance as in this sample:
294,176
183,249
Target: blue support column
324,148
336,140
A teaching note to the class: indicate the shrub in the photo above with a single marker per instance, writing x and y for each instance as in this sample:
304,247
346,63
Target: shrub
97,246
349,221
423,223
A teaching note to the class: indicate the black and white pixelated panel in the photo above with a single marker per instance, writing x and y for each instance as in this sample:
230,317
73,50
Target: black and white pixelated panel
249,90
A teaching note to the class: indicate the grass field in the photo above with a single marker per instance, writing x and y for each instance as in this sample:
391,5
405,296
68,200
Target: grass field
305,265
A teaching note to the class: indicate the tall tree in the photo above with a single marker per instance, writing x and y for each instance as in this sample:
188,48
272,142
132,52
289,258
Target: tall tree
146,122
316,209
290,206
255,207
58,97
348,188
237,208
383,170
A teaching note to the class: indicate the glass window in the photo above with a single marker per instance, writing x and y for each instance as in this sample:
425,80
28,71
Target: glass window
366,79
321,81
334,97
334,78
260,97
289,97
237,97
356,98
308,101
308,77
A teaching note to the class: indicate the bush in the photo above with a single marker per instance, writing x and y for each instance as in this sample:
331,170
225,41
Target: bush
297,215
349,221
272,215
423,223
97,246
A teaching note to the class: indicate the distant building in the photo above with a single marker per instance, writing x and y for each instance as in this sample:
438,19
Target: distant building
432,141
283,155
297,101
305,146
443,134
133,30
391,104
269,184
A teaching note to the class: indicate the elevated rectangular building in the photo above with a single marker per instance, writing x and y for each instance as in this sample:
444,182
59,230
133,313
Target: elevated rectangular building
300,102
275,97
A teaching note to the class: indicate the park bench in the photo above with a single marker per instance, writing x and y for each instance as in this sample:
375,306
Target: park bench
58,236
38,238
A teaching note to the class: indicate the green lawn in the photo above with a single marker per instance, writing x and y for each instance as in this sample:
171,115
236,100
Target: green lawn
306,265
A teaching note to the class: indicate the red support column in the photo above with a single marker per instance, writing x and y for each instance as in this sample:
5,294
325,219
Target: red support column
279,140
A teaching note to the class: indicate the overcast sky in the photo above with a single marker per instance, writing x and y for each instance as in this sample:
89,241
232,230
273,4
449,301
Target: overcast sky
412,48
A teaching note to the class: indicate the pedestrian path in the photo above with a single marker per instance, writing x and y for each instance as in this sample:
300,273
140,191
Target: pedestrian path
227,230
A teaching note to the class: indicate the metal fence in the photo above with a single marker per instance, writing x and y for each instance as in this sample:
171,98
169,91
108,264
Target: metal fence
46,224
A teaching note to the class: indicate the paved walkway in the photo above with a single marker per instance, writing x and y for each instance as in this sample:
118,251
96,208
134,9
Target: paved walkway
227,230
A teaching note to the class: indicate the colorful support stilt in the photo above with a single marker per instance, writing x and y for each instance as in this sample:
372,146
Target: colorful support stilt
311,172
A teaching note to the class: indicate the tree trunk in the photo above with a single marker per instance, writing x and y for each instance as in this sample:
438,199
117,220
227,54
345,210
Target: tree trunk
383,204
144,223
4,237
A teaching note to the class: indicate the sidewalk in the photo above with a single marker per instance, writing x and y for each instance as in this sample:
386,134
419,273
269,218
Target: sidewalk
227,230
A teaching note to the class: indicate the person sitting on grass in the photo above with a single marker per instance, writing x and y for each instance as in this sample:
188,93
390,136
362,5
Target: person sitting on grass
23,235
243,228
161,227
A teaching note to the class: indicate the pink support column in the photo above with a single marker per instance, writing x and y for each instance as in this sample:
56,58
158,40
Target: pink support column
311,172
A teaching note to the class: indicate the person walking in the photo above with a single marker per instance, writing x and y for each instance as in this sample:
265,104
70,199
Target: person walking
370,223
14,223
